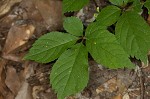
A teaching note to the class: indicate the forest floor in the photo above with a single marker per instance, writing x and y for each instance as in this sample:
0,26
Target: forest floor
24,21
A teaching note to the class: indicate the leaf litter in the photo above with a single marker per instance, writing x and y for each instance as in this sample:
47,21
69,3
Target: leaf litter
31,79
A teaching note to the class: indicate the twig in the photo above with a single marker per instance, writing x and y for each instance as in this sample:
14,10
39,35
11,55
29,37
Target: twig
141,81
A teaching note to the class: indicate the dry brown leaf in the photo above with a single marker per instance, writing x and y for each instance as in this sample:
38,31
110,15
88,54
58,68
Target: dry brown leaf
126,96
18,36
119,96
120,83
30,12
109,86
1,97
121,86
51,12
25,91
3,88
10,95
12,80
36,90
7,5
124,80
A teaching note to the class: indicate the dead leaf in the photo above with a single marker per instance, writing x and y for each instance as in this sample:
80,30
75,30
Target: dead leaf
126,96
30,12
3,88
10,95
18,36
124,80
25,91
51,12
119,96
109,86
36,90
121,86
1,96
12,80
6,6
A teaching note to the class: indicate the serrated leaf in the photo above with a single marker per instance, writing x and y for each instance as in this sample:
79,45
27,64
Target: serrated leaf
73,26
137,6
147,5
70,73
109,15
73,5
94,27
119,2
105,50
50,46
133,33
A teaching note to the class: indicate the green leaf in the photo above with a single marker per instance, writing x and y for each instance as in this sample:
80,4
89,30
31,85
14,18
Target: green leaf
147,5
50,46
119,2
94,26
133,33
73,5
137,6
70,73
109,15
73,26
105,50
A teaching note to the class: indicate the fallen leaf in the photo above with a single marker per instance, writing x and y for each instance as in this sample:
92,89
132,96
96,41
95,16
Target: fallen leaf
10,95
124,80
119,96
6,6
12,80
17,36
35,91
109,86
51,11
3,87
25,92
30,12
126,96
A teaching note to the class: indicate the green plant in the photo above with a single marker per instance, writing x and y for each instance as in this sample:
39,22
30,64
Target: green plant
70,74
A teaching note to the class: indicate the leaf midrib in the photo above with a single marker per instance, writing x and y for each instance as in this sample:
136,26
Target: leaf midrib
51,48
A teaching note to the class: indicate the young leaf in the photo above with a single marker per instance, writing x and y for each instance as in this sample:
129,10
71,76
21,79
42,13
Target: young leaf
73,26
70,73
73,5
147,5
119,2
105,50
50,46
109,15
133,33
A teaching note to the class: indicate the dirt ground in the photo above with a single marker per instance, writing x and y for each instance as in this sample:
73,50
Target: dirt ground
24,21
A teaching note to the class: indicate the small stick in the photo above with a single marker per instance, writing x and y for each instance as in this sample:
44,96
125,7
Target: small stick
141,81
